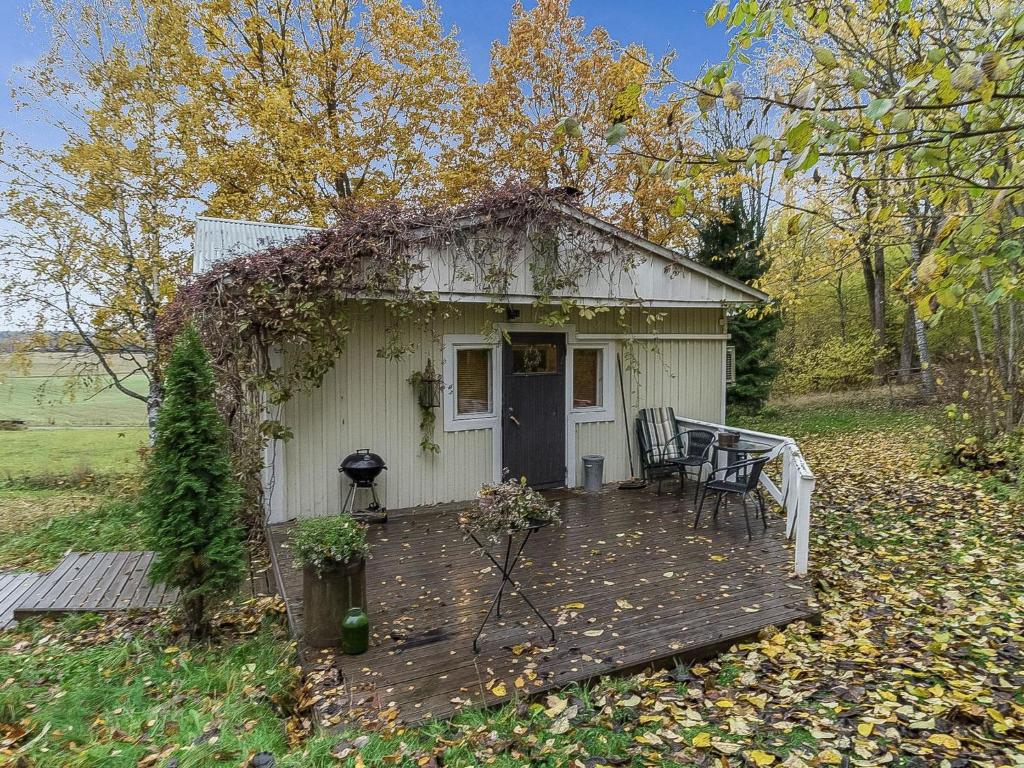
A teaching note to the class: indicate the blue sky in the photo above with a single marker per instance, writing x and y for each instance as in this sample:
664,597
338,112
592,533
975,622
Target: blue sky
658,24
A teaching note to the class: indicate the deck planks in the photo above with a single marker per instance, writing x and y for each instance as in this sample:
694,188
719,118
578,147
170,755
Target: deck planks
13,588
94,582
652,589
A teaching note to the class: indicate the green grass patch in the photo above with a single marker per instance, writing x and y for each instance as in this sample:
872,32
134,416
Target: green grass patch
64,389
47,455
39,527
830,419
50,401
93,693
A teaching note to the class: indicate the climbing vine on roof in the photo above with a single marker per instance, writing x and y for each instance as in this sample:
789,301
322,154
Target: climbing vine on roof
303,296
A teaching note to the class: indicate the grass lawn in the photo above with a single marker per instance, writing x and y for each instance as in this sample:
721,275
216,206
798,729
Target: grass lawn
44,401
38,526
833,414
917,662
116,692
47,394
64,452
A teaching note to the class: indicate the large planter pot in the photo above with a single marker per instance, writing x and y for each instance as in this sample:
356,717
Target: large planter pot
326,598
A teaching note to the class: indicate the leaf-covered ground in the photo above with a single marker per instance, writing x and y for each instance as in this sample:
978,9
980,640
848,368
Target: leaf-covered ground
918,661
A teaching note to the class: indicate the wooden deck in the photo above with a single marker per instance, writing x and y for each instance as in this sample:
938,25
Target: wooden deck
13,588
95,582
626,580
98,582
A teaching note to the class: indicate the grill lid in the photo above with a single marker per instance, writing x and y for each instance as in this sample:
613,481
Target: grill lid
363,465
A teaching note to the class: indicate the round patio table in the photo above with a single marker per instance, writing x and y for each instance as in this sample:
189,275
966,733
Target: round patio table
742,450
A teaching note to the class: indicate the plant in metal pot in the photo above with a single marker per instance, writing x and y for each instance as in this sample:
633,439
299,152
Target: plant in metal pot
507,507
332,552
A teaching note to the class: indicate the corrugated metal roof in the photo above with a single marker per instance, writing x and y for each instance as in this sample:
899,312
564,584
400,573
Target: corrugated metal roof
220,239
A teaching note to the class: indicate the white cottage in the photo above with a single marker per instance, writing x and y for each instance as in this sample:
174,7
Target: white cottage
516,395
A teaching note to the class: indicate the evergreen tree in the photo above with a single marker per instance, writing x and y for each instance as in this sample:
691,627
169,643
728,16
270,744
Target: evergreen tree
733,246
191,500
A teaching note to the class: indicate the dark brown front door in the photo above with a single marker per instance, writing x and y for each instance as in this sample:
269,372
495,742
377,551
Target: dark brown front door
533,404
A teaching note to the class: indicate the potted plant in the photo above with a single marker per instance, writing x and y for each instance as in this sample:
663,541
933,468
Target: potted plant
332,552
505,508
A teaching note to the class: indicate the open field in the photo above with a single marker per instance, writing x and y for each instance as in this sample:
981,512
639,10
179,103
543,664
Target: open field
49,392
63,452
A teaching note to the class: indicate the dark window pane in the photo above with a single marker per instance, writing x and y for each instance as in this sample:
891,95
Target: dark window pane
473,381
586,378
534,358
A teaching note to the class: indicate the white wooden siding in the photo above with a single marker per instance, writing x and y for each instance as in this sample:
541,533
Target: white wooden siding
366,402
651,277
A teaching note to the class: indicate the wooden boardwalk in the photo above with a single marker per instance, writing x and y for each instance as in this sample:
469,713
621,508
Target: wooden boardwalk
95,582
626,580
13,587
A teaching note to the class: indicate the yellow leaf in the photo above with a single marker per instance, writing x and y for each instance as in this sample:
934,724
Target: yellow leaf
865,729
555,706
519,682
761,758
944,740
725,703
830,757
499,690
702,739
574,606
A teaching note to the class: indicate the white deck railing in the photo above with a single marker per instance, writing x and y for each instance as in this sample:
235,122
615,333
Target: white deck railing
797,484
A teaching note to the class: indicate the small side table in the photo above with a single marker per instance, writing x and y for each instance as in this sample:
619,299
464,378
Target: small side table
507,566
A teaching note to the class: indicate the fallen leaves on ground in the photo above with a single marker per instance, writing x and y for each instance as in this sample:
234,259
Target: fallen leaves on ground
918,659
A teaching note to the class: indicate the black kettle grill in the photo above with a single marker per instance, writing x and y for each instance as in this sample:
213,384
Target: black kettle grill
362,469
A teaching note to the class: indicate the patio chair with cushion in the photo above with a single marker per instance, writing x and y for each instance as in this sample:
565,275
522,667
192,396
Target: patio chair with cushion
658,435
739,479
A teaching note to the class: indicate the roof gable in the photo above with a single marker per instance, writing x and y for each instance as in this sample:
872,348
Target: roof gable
653,275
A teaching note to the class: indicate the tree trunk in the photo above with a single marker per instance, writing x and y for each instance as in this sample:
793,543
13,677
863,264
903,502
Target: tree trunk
154,399
920,337
872,262
842,308
907,345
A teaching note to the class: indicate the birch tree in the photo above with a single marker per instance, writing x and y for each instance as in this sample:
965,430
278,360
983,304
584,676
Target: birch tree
97,227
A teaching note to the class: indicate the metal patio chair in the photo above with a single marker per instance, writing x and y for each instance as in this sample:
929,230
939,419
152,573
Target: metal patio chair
696,447
739,479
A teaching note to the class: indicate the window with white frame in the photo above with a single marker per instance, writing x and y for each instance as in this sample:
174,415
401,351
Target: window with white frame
470,383
592,382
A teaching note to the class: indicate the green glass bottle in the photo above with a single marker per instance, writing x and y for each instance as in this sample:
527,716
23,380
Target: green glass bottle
355,632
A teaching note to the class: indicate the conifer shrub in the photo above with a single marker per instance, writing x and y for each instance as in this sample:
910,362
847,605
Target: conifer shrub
191,500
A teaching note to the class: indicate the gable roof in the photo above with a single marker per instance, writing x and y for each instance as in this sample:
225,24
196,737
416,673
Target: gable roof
659,250
218,240
665,277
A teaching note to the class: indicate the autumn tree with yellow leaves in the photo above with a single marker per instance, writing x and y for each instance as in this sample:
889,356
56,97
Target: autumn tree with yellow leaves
301,104
544,113
288,110
96,234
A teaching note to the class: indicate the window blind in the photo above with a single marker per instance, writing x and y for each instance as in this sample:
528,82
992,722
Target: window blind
586,378
473,381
